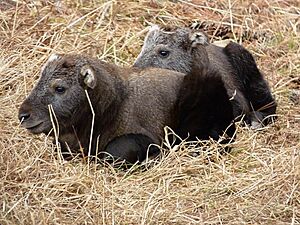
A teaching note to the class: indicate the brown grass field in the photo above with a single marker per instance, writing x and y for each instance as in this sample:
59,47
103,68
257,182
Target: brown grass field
257,183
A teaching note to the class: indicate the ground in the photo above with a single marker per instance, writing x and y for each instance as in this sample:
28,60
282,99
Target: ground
257,183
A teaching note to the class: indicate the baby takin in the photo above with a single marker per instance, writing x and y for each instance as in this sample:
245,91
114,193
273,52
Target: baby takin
186,50
102,108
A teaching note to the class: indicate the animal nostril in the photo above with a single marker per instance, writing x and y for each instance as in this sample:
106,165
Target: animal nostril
24,116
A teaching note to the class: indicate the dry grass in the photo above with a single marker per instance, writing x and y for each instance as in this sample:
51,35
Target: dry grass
259,183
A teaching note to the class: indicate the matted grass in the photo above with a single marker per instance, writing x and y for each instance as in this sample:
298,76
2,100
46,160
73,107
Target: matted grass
258,183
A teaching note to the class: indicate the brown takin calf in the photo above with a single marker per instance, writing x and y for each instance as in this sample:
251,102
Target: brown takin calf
131,107
176,48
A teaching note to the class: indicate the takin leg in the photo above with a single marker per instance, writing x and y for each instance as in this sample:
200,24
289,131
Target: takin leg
255,87
130,147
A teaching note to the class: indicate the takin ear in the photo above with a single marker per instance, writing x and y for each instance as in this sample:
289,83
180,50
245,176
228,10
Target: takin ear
89,76
198,38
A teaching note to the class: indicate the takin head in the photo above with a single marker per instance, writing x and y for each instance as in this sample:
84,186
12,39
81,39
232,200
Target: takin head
61,89
173,48
58,87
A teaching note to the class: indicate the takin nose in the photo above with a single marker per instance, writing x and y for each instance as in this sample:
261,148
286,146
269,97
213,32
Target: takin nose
24,113
24,116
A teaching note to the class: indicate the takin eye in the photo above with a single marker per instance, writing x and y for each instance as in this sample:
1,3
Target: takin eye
163,53
60,90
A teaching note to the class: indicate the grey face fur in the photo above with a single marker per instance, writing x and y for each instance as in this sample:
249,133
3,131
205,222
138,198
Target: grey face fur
59,86
170,49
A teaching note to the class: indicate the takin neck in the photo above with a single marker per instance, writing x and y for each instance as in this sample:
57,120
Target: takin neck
106,99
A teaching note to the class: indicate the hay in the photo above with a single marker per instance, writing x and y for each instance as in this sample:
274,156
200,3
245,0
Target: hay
258,183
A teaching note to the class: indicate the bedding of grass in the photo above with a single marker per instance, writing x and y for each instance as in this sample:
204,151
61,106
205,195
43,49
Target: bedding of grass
258,183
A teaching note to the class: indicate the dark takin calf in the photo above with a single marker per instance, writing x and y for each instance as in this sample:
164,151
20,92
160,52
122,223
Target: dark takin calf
179,49
131,106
